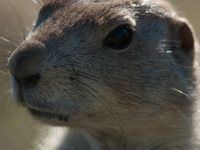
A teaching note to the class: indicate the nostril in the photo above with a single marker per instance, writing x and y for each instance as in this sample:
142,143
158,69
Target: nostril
32,79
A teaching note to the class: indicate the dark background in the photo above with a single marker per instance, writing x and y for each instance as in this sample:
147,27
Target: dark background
17,129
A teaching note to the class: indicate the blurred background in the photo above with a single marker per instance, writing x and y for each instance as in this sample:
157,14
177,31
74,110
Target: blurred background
18,130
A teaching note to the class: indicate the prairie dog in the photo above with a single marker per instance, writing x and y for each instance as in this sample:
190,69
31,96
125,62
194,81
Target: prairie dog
119,74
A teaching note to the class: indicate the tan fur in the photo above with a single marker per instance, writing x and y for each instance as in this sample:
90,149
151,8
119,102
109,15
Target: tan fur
140,97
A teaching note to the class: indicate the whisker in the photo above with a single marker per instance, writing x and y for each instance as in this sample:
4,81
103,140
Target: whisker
172,106
106,106
20,21
8,37
181,92
37,2
8,41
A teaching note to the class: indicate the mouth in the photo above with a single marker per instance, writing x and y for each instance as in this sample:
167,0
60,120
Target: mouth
48,115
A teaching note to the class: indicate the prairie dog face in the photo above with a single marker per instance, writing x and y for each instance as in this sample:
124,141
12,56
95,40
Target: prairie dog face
92,64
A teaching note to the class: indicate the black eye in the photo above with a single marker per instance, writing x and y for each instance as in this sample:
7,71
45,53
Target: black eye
119,38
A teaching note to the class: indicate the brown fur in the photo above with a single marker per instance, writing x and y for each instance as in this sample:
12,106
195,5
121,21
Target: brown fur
139,97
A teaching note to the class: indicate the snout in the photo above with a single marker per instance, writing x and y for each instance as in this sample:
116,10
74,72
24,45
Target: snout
25,62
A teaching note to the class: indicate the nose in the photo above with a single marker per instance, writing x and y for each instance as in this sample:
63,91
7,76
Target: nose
24,64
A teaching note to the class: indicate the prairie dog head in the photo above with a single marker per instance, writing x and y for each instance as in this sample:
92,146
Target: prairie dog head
91,64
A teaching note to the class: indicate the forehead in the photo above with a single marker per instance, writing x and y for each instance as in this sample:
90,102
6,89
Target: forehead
96,16
81,13
75,13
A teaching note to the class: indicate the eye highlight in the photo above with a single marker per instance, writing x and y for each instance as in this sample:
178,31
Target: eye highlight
119,38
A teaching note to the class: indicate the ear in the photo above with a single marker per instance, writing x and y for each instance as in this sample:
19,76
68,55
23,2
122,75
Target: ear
183,32
187,38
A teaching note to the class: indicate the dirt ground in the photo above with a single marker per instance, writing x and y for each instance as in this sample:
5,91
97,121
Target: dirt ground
17,129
